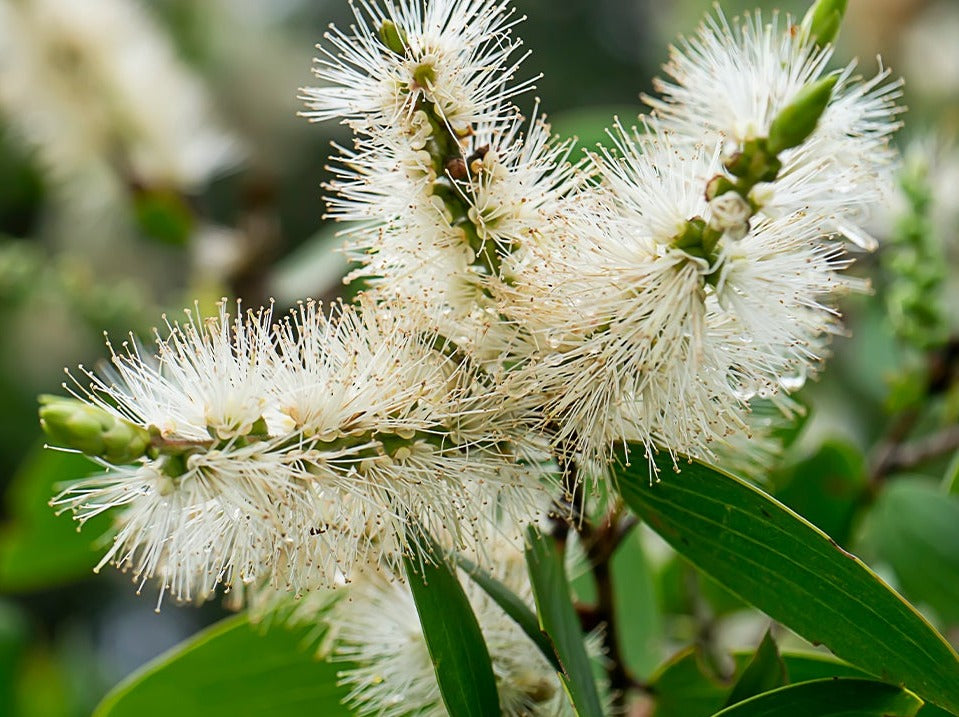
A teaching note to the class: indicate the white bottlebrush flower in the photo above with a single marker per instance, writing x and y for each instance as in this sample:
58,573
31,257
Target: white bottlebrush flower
731,80
456,55
395,426
377,629
214,499
284,457
444,179
642,335
96,88
438,242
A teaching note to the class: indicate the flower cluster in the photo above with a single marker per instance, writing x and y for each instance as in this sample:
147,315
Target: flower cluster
651,292
526,314
247,454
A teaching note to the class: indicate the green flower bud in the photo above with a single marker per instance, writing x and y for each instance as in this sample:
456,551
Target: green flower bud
691,238
393,37
752,164
718,186
823,20
91,430
697,239
797,120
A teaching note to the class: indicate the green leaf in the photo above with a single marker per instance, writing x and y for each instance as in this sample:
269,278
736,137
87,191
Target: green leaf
840,697
39,549
825,488
513,606
233,668
452,633
806,666
785,566
685,686
950,481
559,620
915,528
638,620
765,671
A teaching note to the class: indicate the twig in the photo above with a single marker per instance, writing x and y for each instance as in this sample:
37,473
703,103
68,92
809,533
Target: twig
913,453
882,455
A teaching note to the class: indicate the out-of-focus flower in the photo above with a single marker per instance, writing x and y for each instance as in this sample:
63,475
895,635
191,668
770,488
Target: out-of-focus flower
97,89
377,629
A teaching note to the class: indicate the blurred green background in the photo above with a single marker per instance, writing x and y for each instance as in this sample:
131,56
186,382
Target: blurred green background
99,247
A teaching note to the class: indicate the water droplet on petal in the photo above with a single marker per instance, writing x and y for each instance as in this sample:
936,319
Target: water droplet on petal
793,383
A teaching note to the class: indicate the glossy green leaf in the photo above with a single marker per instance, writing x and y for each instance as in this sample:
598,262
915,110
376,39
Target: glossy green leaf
840,697
453,637
783,565
764,672
39,549
558,619
638,621
915,528
233,668
513,606
806,666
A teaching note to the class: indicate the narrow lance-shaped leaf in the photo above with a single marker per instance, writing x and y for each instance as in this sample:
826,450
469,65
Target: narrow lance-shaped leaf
834,697
558,618
514,607
453,637
785,566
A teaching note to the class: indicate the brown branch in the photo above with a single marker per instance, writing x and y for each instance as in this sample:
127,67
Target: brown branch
914,453
883,454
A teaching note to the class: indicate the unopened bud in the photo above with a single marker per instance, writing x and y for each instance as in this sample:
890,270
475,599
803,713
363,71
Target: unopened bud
753,163
697,239
91,430
393,37
799,118
718,186
731,214
456,168
823,20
